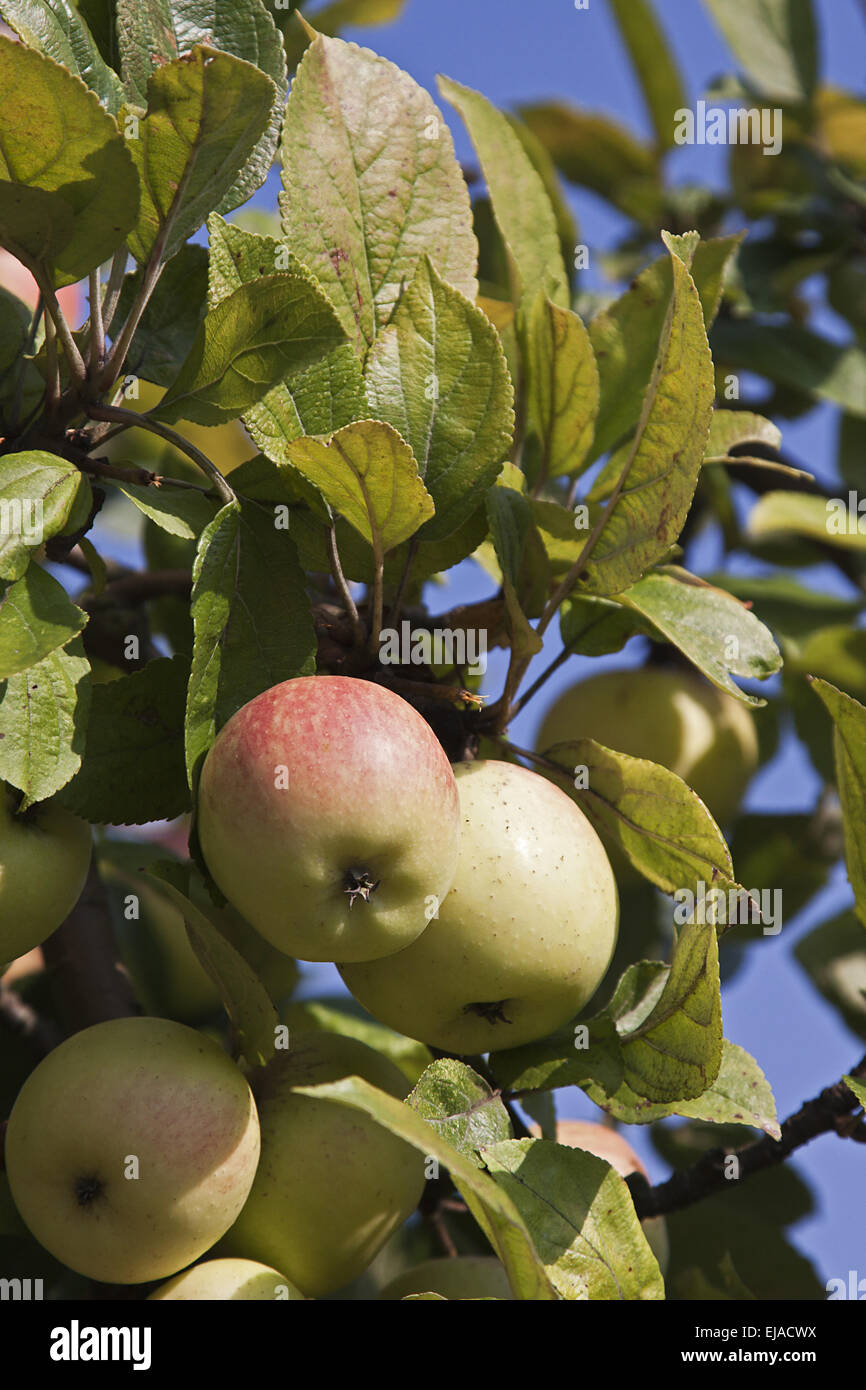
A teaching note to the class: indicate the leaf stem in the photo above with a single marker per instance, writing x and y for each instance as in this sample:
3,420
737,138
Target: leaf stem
97,327
114,286
75,361
343,587
118,414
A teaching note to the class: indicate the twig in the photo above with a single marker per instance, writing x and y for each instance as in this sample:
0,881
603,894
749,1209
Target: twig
97,327
114,287
75,361
828,1112
400,595
118,414
141,585
141,476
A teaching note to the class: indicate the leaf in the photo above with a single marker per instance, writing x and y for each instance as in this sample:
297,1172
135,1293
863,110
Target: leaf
661,825
597,153
15,320
179,511
437,373
706,624
779,515
796,357
514,538
658,475
834,957
205,114
133,768
654,65
43,722
561,386
370,184
335,1016
625,337
492,1208
168,327
331,18
36,616
37,497
246,1001
739,1095
251,617
247,343
849,748
582,1219
729,428
858,1087
153,33
595,626
566,1058
368,474
775,42
461,1107
56,29
71,196
521,207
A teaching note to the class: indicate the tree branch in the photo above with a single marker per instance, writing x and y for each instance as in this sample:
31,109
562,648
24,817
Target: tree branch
145,422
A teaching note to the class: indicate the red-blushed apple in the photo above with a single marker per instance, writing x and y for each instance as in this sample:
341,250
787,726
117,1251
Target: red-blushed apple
526,933
610,1145
131,1149
44,858
670,717
328,815
239,1281
455,1277
332,1185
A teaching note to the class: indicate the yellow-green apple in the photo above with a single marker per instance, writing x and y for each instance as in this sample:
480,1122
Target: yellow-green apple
332,1185
328,815
526,933
131,1149
226,1279
461,1276
670,717
44,858
610,1145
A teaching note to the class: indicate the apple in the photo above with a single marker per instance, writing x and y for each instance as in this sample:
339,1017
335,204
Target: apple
332,1185
131,1149
525,935
671,717
225,1280
610,1145
44,859
460,1276
328,816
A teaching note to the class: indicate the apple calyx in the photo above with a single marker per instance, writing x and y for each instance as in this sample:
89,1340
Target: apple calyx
88,1189
492,1010
359,884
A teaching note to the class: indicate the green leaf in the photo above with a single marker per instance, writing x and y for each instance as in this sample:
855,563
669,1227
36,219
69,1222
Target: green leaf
153,33
246,1001
788,608
654,65
739,1095
248,342
858,1087
179,511
573,1056
168,327
71,196
515,541
775,42
492,1208
359,212
252,621
625,337
36,616
659,471
336,1016
581,1217
521,207
100,16
595,626
779,515
37,496
717,633
461,1107
834,957
597,153
368,474
659,823
561,386
133,769
437,373
728,428
55,28
205,114
15,321
43,722
849,747
796,357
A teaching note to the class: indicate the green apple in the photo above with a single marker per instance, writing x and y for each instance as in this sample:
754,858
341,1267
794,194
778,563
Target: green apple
131,1149
671,717
610,1145
44,859
462,1276
332,1185
328,815
525,935
226,1279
